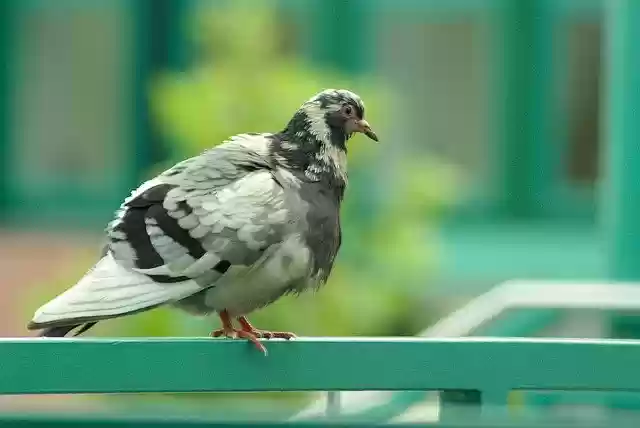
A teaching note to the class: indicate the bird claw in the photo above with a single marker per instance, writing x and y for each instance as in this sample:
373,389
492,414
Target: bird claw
232,333
248,331
247,326
229,333
252,335
264,334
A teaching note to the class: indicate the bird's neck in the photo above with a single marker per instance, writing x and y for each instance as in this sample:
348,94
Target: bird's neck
315,149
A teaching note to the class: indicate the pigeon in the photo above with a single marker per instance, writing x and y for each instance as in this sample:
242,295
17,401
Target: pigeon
228,231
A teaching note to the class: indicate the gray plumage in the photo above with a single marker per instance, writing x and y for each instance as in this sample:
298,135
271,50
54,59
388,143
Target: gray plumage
232,229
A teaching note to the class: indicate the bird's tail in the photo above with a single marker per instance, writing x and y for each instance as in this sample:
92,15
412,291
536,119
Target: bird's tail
107,291
63,330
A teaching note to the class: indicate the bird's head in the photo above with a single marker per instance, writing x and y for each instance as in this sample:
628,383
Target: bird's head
315,138
335,114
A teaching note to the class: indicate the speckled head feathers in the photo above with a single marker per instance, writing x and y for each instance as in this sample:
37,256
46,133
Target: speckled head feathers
324,117
334,99
315,138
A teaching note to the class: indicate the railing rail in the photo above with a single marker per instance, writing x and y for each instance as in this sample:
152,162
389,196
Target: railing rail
477,373
489,365
484,315
473,375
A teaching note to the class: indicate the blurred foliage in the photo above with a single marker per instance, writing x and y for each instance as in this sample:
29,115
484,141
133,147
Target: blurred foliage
244,81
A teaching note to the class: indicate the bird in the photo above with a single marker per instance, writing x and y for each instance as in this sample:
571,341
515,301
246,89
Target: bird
226,232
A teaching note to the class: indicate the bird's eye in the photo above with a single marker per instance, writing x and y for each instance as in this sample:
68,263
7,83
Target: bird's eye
348,110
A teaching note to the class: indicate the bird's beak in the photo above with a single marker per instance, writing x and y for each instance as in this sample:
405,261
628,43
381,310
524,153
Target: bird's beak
364,127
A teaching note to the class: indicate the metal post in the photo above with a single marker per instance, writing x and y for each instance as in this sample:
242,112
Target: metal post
620,187
511,49
334,405
524,147
328,43
460,405
6,24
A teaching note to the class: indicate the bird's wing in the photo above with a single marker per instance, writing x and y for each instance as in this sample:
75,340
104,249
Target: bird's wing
178,234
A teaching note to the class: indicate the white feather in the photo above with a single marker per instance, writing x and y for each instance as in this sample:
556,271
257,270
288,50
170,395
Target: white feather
328,153
202,265
317,122
111,289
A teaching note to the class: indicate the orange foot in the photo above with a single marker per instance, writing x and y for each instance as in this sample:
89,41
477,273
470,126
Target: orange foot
247,331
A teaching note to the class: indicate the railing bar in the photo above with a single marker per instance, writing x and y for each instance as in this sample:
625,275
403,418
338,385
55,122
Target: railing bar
333,403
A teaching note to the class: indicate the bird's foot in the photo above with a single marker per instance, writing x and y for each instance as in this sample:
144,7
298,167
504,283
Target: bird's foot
234,333
247,331
264,334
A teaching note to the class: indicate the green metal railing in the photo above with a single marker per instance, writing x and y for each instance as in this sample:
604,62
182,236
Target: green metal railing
475,375
620,194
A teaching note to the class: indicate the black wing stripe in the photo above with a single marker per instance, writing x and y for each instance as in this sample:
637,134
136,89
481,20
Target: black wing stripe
151,196
172,229
134,226
166,279
222,266
149,205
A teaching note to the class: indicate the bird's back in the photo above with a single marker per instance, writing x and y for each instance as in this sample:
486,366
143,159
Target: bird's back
207,218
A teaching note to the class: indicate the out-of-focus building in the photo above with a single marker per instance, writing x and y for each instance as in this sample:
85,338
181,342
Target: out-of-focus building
507,90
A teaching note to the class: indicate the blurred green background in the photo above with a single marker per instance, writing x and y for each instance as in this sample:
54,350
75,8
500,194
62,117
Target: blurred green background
488,169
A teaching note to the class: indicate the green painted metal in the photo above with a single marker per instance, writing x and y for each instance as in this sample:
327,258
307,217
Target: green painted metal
142,59
471,7
132,422
160,44
462,404
520,322
551,195
48,366
487,253
328,41
544,166
560,197
56,421
439,8
59,422
620,193
473,386
516,86
575,8
6,43
620,199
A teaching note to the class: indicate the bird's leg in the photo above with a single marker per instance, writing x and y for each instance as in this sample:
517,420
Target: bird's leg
249,328
229,331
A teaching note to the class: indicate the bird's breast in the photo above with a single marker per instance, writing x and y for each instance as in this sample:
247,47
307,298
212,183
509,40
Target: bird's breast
285,267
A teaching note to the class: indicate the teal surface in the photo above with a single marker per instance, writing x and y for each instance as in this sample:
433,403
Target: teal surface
58,422
486,254
6,43
514,84
620,192
133,423
621,184
475,374
188,365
